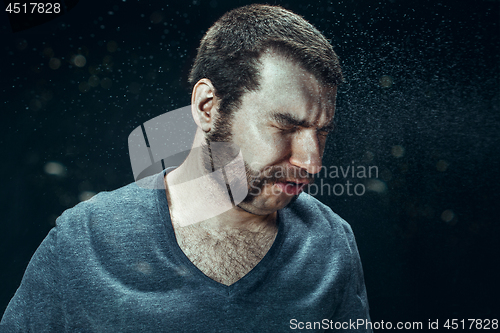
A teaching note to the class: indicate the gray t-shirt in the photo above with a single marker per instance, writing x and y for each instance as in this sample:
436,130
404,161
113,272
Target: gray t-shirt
112,264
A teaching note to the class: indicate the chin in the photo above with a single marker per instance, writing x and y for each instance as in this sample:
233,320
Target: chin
260,206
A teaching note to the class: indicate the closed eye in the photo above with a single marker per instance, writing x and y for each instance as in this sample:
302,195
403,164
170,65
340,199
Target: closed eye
323,133
287,129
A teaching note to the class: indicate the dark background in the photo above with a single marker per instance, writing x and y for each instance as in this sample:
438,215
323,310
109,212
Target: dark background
427,228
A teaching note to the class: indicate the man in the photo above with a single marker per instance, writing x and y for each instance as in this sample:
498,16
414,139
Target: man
135,259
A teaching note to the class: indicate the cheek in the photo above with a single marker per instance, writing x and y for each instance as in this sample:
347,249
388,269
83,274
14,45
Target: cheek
265,150
282,143
275,148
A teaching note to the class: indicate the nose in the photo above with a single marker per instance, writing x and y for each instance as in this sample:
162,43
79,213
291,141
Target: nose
307,152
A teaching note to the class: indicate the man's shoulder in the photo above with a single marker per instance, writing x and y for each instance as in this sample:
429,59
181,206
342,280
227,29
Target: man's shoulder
110,210
312,211
321,236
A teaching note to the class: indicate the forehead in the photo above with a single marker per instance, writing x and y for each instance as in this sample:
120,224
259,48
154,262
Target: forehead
288,88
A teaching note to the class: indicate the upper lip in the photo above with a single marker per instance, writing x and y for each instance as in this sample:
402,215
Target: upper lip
299,182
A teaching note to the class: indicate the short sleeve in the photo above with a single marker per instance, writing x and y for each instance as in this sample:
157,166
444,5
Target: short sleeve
36,305
352,314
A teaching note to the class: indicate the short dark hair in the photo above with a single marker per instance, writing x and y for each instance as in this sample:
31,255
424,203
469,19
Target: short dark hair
229,52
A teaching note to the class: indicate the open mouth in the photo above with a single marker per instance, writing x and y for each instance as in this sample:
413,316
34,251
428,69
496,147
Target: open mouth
290,188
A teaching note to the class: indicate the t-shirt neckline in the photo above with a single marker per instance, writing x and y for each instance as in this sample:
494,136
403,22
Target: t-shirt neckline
262,271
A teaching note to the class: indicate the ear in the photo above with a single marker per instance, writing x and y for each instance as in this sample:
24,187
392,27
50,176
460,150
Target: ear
204,104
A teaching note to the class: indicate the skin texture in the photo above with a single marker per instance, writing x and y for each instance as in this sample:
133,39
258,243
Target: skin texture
282,126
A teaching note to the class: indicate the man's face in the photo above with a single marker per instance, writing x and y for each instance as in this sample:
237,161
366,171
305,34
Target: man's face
281,130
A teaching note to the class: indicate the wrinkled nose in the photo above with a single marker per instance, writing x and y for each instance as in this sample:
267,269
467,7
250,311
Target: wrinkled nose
306,152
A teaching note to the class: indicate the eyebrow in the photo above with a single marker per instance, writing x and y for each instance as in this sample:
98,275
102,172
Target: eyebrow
287,119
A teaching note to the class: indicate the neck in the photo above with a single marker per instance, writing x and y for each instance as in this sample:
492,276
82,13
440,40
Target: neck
196,196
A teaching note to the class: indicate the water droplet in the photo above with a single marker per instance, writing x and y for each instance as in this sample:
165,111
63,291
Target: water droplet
397,151
54,63
447,215
86,195
83,87
79,60
156,17
442,165
112,46
376,185
55,168
48,52
21,44
386,81
106,83
93,81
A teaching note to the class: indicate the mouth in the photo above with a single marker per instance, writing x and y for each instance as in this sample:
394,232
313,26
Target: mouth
291,187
